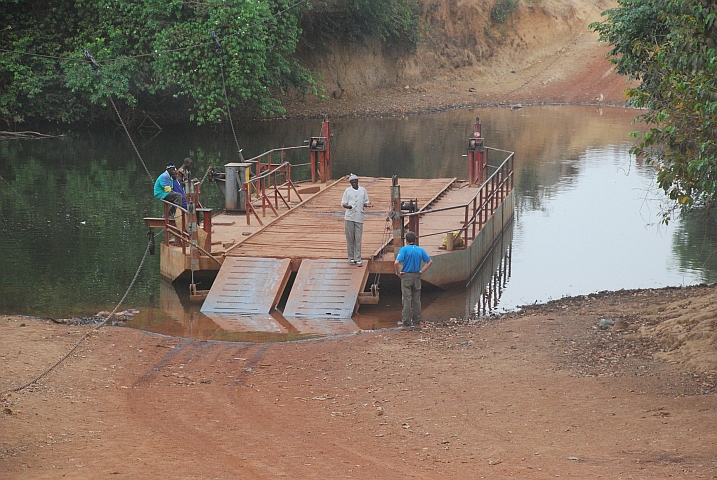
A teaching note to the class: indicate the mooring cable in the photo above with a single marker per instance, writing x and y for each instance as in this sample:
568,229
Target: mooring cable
88,332
98,74
218,49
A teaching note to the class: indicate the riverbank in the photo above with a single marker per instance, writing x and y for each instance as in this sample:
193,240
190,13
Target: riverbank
540,393
567,68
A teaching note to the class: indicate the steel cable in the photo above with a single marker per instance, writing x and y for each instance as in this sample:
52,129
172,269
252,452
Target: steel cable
98,73
86,334
151,179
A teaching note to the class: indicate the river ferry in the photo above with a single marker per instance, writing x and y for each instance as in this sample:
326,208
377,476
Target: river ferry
282,239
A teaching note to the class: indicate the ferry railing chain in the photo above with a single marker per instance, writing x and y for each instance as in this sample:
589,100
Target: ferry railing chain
87,333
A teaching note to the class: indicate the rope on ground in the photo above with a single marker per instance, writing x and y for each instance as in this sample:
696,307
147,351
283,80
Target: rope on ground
85,335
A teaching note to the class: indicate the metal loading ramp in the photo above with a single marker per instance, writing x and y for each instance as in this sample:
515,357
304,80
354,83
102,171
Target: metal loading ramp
248,285
325,288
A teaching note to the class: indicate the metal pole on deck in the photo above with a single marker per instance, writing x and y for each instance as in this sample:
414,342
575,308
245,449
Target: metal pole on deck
396,220
192,227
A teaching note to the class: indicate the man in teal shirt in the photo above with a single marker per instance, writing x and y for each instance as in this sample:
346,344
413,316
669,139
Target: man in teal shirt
163,188
409,267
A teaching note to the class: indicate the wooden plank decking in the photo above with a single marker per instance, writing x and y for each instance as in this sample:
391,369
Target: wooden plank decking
315,228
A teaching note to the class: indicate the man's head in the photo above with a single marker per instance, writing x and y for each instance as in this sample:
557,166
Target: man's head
411,238
353,180
172,170
188,163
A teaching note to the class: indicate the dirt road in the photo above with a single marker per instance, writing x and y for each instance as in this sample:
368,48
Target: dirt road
539,394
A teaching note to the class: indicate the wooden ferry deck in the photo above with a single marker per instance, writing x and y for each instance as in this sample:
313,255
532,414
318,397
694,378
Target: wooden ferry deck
315,228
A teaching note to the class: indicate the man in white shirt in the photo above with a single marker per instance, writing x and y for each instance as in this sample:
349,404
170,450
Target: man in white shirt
355,199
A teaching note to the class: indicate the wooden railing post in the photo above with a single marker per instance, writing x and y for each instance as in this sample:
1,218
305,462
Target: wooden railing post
166,224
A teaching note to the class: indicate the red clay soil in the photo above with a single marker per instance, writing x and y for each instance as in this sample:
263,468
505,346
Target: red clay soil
577,73
543,393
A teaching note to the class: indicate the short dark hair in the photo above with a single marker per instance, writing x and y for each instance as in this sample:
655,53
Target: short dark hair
411,237
170,166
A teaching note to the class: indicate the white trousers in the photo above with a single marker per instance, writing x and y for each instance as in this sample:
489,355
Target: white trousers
354,232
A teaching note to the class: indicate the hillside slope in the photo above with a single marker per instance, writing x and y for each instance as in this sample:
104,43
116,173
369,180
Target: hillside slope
544,53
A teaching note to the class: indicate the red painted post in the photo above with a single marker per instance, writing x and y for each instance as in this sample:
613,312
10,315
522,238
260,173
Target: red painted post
181,237
288,182
480,206
313,156
207,226
276,189
494,198
512,172
166,224
263,197
475,212
326,133
476,153
248,203
465,225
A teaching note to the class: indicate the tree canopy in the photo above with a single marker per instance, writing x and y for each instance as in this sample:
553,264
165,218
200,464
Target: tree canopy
669,46
149,52
160,55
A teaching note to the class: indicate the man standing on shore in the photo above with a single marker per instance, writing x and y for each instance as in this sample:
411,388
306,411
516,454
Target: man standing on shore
355,199
408,266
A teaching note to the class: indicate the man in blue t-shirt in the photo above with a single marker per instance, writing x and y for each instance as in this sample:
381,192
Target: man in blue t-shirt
408,267
164,188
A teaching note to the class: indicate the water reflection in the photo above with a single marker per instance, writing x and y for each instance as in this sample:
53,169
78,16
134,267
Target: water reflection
177,316
586,214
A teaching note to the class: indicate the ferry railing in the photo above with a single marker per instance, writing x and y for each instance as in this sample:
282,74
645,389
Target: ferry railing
179,233
261,167
264,185
483,204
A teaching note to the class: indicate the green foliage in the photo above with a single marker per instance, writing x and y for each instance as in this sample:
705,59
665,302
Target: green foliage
150,51
396,22
670,46
502,10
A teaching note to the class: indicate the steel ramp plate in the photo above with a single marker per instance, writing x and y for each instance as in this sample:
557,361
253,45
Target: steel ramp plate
323,326
325,288
247,323
247,285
